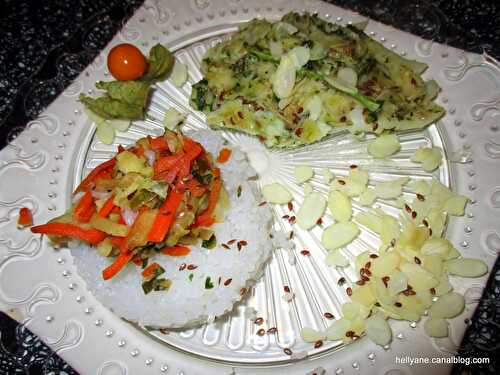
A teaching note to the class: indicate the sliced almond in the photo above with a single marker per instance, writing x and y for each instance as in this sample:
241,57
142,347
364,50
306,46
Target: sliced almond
390,189
444,286
105,133
308,189
311,335
336,259
437,246
173,118
384,146
418,277
312,208
303,173
378,330
397,283
363,295
314,106
421,154
340,206
368,197
448,306
339,235
433,263
467,267
300,56
284,78
179,74
436,328
432,162
390,229
370,220
276,193
385,264
456,205
327,175
337,329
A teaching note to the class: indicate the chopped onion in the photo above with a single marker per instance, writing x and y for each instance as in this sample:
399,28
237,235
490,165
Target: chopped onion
129,216
150,156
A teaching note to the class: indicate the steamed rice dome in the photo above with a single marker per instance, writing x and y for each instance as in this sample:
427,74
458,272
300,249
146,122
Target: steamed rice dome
189,302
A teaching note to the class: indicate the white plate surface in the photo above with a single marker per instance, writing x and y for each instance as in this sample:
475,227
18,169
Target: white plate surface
40,168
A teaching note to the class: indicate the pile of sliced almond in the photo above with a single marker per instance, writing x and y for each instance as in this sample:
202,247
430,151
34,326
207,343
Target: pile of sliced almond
407,277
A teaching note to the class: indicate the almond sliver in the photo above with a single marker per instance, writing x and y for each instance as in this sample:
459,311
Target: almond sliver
340,206
456,205
448,306
339,234
378,330
312,209
466,267
303,173
276,193
384,146
436,327
336,258
311,335
337,329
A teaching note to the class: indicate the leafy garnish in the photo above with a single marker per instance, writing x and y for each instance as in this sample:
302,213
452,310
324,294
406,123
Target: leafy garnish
127,99
208,283
160,64
210,243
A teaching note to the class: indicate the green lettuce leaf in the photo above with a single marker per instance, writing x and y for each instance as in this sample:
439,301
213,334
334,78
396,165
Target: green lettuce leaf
122,100
160,64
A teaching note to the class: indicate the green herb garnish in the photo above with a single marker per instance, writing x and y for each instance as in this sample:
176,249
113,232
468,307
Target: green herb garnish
208,283
210,243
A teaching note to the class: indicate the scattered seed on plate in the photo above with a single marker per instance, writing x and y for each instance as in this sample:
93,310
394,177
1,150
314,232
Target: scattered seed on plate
259,321
227,282
349,291
192,267
290,206
417,260
225,246
305,252
182,267
373,256
272,330
286,288
341,281
261,332
318,344
328,315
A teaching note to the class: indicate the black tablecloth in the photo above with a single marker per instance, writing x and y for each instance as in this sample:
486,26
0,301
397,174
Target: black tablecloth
46,44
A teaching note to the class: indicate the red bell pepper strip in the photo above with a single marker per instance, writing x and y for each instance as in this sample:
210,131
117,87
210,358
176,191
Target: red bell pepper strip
92,176
115,267
92,236
176,251
206,219
158,143
25,218
117,241
165,164
224,155
85,208
192,150
165,216
107,207
150,270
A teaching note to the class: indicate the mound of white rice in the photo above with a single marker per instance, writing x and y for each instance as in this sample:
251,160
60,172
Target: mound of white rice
189,302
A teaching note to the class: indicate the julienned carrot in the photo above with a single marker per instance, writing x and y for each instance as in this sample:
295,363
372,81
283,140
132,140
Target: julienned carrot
87,181
150,270
195,188
85,208
115,267
206,219
107,207
224,155
164,164
176,251
25,218
192,150
158,143
117,241
92,236
165,216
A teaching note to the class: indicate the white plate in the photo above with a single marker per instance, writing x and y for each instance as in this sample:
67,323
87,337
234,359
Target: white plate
40,168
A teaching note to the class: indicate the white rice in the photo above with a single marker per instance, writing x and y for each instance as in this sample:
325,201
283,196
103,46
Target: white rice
189,303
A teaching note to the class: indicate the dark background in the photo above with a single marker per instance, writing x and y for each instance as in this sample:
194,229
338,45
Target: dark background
44,45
